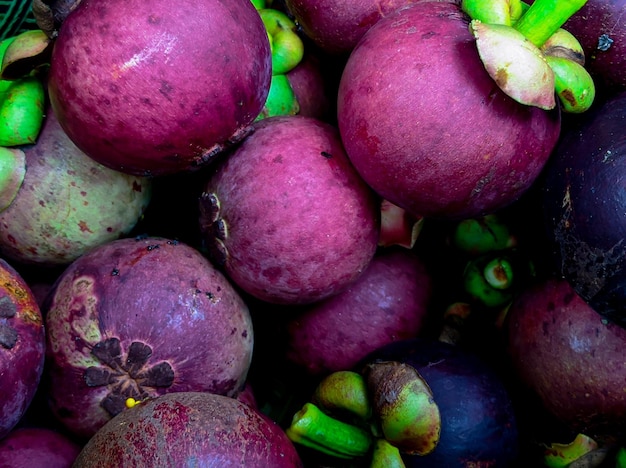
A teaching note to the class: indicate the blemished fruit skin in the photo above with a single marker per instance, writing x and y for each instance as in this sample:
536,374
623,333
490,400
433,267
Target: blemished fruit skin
389,302
190,429
152,88
583,196
29,447
426,126
136,318
22,347
68,203
287,216
571,357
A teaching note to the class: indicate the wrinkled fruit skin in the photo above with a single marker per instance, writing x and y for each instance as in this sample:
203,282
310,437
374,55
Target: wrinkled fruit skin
151,88
190,429
584,195
138,318
425,125
37,446
570,357
478,423
286,214
389,302
22,347
337,25
68,203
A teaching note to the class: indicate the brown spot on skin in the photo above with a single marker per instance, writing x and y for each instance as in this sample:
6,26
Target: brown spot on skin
501,78
82,225
136,186
568,96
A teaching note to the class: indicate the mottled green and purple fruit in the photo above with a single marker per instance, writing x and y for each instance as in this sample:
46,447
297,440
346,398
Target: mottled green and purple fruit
22,347
137,318
68,203
190,429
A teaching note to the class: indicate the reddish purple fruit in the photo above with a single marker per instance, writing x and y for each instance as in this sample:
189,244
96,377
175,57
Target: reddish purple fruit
190,429
137,318
389,302
37,447
426,126
158,87
572,358
286,214
22,347
336,26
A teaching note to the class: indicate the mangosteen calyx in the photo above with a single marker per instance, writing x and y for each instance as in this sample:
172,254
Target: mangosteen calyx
510,39
8,334
127,378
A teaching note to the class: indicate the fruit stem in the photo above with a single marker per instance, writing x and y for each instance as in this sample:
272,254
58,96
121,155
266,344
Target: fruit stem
313,428
544,17
499,273
493,11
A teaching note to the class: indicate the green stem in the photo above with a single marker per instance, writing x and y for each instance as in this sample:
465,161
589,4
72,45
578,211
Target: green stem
493,11
544,17
313,428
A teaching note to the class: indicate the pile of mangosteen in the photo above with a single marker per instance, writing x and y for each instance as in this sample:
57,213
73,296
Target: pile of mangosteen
313,233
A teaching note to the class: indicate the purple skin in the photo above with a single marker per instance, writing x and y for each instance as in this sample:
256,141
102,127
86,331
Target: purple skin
286,214
157,87
389,302
68,203
22,347
336,26
136,318
425,125
190,429
30,447
570,357
600,26
311,88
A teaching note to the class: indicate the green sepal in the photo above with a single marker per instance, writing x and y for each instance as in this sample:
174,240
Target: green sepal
281,99
21,111
573,84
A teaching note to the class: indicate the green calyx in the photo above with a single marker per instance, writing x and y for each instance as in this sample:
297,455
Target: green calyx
563,455
22,98
383,413
510,38
12,172
313,428
281,99
478,236
285,43
489,280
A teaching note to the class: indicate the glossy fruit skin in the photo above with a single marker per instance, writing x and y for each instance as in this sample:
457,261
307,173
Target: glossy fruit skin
28,447
287,216
68,203
583,200
478,422
190,429
568,355
22,347
151,88
136,318
426,126
389,302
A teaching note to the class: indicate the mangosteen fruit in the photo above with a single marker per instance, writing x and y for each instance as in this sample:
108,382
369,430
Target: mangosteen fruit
190,429
478,423
22,347
151,88
67,202
570,357
584,205
389,302
427,127
286,215
136,318
34,447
